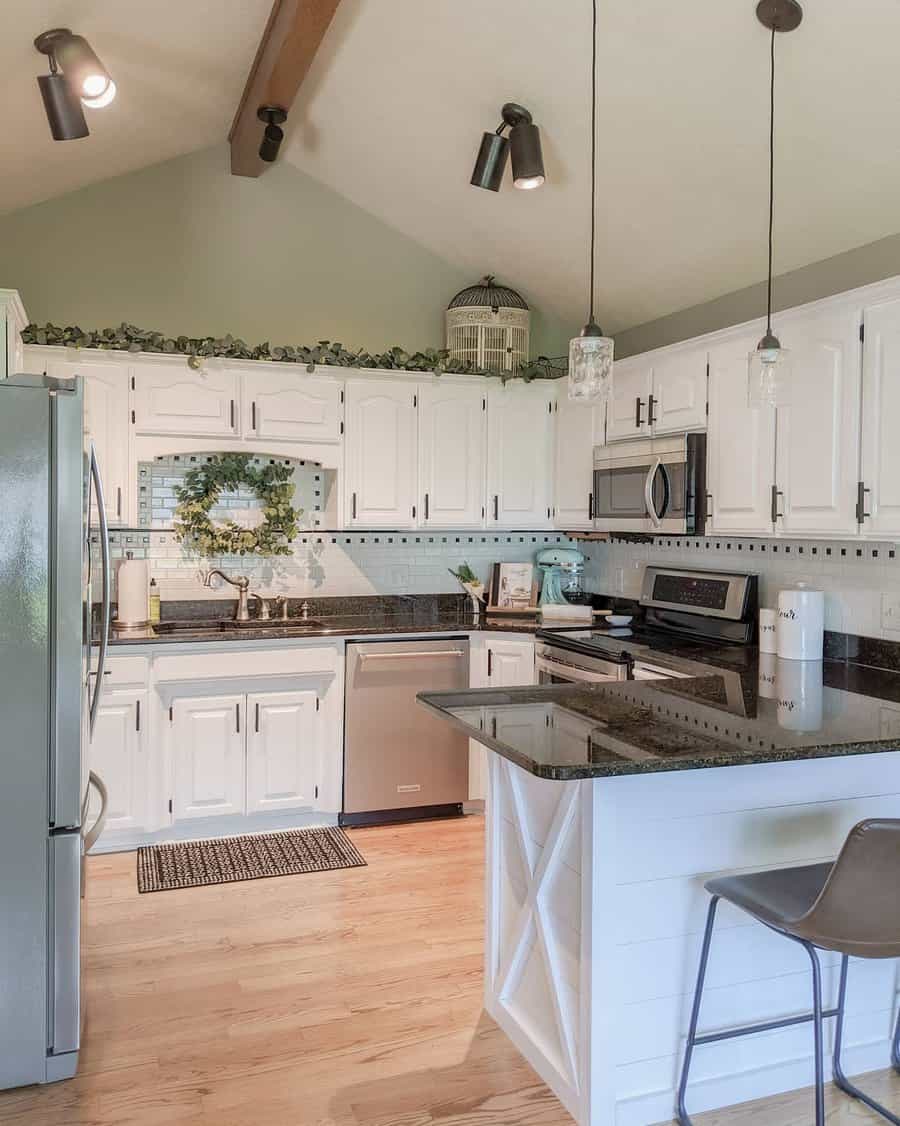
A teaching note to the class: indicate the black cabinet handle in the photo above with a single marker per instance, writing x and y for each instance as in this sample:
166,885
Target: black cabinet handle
256,722
490,663
253,415
353,506
232,414
650,403
237,718
496,507
119,502
590,506
776,493
137,715
638,421
861,513
426,506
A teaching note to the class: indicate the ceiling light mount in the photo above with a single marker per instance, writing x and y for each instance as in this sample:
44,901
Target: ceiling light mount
779,15
48,42
273,134
523,144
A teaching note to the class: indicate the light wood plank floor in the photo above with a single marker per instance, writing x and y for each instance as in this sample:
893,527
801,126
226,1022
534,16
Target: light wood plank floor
336,999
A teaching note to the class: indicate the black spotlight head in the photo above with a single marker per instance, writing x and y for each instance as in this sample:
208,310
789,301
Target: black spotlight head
491,162
273,135
61,103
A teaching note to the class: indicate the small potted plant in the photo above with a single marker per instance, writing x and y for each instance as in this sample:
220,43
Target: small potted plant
471,584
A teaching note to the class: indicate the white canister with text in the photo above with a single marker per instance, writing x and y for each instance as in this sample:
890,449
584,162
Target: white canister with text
801,624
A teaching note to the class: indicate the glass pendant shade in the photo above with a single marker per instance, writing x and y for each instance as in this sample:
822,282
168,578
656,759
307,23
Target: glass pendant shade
590,366
769,374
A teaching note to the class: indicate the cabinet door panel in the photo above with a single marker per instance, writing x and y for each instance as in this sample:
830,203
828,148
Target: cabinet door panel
380,454
520,446
881,410
451,455
510,663
817,460
106,388
679,392
632,383
172,399
740,468
292,408
208,752
118,754
578,429
282,750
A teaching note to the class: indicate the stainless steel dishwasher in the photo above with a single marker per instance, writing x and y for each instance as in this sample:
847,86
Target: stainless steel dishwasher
400,763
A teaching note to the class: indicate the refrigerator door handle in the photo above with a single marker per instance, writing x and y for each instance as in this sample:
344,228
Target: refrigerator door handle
106,586
92,835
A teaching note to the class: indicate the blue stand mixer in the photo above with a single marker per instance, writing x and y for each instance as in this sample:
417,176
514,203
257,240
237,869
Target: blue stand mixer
563,570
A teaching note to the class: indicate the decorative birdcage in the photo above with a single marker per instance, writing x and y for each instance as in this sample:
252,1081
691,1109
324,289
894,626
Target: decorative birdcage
488,325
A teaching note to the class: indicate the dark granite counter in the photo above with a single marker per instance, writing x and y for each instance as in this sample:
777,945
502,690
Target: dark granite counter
786,711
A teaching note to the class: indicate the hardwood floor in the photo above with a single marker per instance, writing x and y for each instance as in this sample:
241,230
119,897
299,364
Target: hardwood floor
336,999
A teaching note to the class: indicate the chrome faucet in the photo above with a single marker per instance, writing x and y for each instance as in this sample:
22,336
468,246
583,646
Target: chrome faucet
281,606
242,613
263,615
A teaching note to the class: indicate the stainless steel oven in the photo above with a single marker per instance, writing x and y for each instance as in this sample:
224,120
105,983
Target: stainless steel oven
651,485
555,665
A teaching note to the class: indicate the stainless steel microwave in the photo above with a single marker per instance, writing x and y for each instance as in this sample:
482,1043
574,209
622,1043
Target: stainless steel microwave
655,485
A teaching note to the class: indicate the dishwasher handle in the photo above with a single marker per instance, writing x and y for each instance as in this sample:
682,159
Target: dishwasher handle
411,656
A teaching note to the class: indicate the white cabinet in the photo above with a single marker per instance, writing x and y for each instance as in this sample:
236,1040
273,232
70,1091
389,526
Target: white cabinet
173,399
740,463
208,752
380,454
817,452
626,415
119,755
12,321
282,750
106,388
880,474
579,427
451,455
291,406
658,393
519,456
495,661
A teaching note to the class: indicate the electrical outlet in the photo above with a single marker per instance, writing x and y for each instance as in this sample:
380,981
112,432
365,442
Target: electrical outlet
890,611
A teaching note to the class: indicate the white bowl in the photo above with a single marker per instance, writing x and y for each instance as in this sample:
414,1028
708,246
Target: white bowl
619,619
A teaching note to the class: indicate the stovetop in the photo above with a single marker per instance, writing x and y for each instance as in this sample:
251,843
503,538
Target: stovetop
620,645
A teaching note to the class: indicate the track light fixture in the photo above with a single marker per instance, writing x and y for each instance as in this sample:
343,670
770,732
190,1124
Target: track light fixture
524,144
273,135
77,78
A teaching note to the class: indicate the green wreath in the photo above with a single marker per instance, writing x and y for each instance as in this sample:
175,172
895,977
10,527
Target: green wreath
200,493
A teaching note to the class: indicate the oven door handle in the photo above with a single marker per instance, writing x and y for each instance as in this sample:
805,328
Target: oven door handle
655,518
571,672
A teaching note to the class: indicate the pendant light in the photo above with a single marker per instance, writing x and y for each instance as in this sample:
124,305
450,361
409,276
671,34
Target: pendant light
591,353
769,366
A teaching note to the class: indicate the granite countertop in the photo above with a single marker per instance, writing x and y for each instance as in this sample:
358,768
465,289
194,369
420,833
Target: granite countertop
784,711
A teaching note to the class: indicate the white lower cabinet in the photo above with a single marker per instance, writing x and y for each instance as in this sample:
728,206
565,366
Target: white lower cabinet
208,752
119,755
495,661
282,750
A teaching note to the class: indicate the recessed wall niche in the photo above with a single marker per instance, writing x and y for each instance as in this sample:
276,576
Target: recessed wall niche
159,480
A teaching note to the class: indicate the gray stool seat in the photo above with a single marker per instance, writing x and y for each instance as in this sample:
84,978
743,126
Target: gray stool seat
780,897
851,906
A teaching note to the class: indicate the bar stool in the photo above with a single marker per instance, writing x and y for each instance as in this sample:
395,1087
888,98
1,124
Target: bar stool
851,907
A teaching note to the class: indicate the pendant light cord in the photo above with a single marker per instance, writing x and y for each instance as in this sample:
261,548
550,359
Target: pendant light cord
593,151
771,179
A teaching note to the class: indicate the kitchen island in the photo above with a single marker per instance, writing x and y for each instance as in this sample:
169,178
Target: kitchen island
608,808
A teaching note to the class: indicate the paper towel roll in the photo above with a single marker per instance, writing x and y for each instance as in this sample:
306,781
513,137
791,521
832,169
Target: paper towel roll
801,624
132,580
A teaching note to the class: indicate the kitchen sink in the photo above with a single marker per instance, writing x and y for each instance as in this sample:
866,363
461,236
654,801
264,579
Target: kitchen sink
229,625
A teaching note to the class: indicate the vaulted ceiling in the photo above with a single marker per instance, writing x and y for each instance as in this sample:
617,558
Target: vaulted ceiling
391,114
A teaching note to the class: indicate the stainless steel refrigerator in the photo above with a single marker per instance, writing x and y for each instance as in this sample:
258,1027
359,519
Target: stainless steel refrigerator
48,701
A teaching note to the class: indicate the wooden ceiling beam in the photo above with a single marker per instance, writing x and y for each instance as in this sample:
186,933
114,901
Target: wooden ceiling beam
293,32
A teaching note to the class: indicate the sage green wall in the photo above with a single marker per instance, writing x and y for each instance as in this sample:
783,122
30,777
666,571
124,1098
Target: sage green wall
186,248
862,266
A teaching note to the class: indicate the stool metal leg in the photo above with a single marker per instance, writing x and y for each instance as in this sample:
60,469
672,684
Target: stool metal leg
840,1078
681,1114
817,1032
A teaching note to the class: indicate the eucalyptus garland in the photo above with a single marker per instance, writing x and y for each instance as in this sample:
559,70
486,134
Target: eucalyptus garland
130,338
201,490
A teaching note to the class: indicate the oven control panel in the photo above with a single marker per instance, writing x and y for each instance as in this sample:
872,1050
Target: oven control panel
717,594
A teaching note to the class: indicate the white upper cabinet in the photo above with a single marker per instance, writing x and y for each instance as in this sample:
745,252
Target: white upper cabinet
173,399
12,321
679,392
519,456
380,454
626,415
451,455
208,753
740,461
579,427
817,458
105,424
880,477
282,750
291,406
